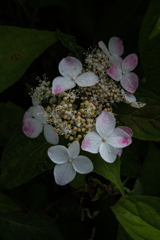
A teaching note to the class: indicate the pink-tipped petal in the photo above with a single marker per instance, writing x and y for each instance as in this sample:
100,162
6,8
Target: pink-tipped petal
82,165
32,127
91,142
64,173
129,82
107,152
115,71
105,124
130,62
119,151
137,104
74,149
115,46
127,130
58,154
87,79
119,139
103,47
40,114
28,114
50,135
70,67
61,84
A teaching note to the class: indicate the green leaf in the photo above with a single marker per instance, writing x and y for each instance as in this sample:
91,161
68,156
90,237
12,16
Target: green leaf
17,226
18,48
7,205
138,189
156,29
122,234
149,49
150,176
78,181
10,118
145,122
69,42
110,171
23,159
139,216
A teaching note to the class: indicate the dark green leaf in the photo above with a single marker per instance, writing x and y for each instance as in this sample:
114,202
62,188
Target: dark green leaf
23,159
7,205
19,47
145,122
149,49
156,29
150,174
10,118
78,181
18,226
122,234
139,216
138,189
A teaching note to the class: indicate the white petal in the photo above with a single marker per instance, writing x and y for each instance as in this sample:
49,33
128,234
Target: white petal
119,151
115,71
61,84
137,104
32,127
58,154
107,152
70,67
74,149
28,114
50,135
114,58
130,62
103,47
91,142
82,165
128,96
105,124
127,130
119,138
115,46
87,79
129,81
40,114
64,173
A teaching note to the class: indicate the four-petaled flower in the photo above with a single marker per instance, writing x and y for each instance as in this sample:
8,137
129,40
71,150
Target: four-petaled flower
68,162
70,68
107,138
131,99
115,49
121,71
32,127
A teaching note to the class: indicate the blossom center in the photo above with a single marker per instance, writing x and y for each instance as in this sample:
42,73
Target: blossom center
110,53
123,72
104,139
73,78
70,160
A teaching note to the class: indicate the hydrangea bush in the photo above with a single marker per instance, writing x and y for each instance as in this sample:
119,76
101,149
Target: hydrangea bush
79,107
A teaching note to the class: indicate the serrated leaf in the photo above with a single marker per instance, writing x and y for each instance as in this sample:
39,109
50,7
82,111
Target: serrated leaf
149,49
10,119
17,226
122,234
156,29
23,159
18,48
150,176
139,216
7,205
110,171
144,122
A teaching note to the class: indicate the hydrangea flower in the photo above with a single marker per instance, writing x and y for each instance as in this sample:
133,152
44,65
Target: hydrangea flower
68,162
107,138
70,68
115,49
29,112
121,71
32,127
131,99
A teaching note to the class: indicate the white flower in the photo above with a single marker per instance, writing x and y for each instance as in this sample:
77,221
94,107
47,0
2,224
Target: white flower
32,127
29,112
107,138
121,71
115,49
70,68
131,99
68,162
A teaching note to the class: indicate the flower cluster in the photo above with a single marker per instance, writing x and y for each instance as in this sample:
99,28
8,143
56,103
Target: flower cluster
79,106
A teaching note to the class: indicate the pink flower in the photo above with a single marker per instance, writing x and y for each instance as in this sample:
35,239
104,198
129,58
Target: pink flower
70,68
121,71
115,49
107,140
